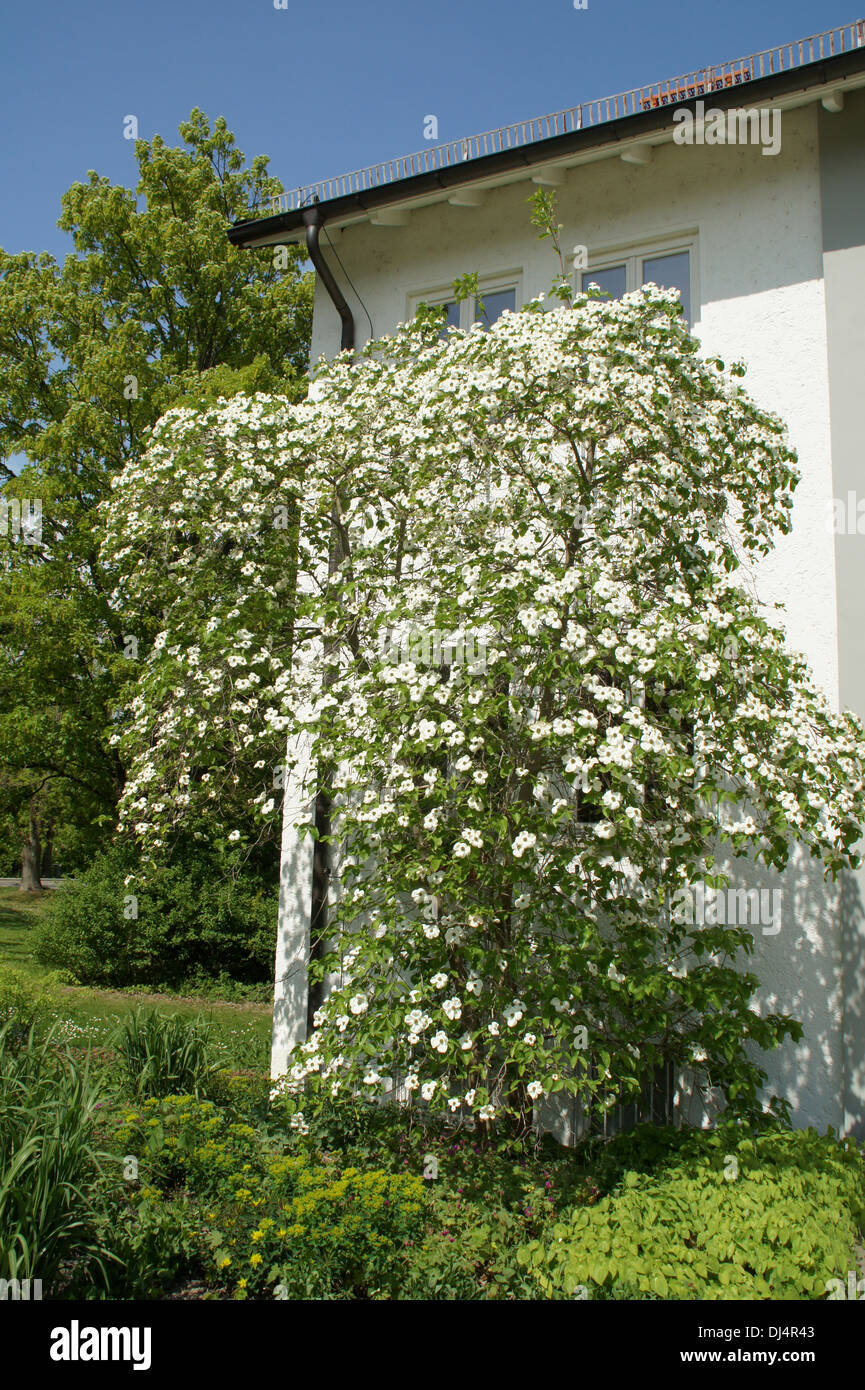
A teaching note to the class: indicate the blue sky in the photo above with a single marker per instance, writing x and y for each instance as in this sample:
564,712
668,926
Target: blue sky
326,86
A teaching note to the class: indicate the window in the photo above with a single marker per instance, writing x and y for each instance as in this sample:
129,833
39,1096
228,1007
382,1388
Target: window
670,268
494,297
490,305
613,280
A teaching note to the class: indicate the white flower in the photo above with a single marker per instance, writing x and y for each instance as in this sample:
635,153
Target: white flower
466,1042
453,1007
534,1089
529,1039
461,849
411,1081
358,1004
439,1041
235,835
417,1021
494,1029
439,980
428,1089
470,1097
487,1112
525,840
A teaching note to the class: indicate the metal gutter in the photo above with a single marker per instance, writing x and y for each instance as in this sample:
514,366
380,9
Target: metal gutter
657,120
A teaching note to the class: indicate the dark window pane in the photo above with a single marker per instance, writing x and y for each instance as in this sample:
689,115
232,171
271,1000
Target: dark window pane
671,273
494,305
613,280
452,315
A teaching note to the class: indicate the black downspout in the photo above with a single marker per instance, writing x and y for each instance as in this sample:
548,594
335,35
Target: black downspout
312,222
321,856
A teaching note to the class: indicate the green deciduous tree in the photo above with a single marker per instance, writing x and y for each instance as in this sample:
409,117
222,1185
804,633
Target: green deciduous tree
153,306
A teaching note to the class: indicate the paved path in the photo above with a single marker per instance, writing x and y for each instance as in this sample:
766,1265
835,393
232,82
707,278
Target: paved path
16,882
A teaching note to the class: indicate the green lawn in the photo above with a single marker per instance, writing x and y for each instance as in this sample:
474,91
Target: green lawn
243,1030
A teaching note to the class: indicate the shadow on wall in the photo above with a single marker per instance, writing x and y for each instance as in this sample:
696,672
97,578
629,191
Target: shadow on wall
852,918
809,956
813,967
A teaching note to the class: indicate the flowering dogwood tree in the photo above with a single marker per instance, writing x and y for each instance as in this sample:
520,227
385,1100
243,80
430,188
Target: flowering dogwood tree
540,694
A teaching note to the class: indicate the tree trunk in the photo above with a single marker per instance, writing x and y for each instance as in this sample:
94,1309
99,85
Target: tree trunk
31,858
46,868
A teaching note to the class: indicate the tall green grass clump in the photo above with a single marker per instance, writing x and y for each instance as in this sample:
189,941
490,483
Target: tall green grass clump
165,1055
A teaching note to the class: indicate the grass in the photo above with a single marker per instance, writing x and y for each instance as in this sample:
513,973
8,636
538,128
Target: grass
241,1031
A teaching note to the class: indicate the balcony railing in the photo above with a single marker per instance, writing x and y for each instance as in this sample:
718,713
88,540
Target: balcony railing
592,113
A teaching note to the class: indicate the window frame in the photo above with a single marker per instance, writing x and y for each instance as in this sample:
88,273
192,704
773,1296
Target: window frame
487,284
632,255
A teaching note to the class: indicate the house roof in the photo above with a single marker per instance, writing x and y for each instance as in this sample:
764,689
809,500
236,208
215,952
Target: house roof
786,76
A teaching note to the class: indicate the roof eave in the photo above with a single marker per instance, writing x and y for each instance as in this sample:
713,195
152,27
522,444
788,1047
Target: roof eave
825,73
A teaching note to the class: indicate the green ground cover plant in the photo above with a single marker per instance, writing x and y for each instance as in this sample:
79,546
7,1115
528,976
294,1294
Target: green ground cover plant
724,1215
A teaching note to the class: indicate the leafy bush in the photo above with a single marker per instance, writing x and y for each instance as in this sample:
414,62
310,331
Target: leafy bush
165,1054
284,1225
330,1234
183,1141
194,921
25,1006
156,1242
50,1167
727,1217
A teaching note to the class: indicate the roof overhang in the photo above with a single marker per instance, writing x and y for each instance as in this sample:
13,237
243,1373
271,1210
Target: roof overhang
546,159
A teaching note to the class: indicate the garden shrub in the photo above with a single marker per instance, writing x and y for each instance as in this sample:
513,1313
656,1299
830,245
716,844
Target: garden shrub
194,921
155,1241
331,1233
730,1217
285,1225
25,1004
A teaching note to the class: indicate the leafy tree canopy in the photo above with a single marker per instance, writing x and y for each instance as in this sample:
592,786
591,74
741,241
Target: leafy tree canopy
153,305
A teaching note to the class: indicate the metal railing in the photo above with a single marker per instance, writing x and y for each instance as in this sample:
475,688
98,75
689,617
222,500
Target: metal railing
695,84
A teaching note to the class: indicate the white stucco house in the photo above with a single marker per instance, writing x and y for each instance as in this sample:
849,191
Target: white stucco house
763,232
